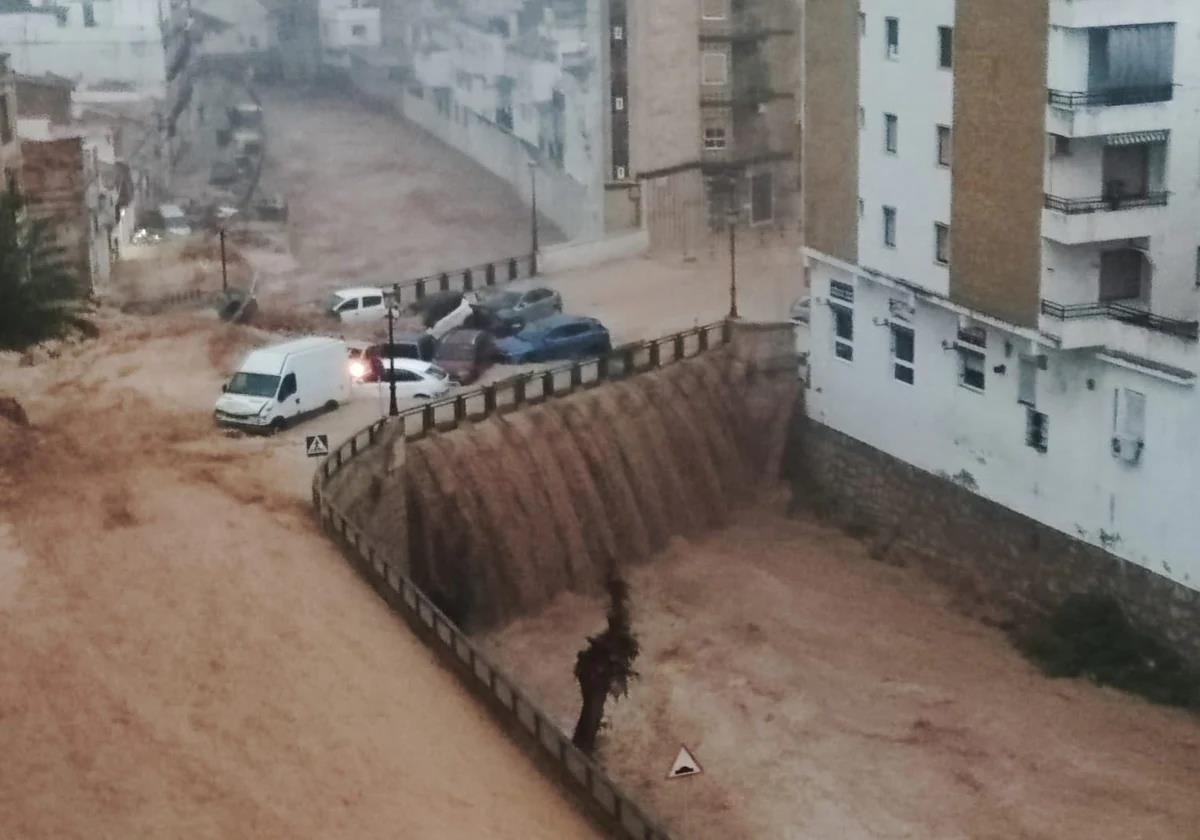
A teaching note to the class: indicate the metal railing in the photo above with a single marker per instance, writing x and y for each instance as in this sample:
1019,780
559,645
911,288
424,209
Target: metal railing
1139,95
578,773
479,276
1100,204
1188,330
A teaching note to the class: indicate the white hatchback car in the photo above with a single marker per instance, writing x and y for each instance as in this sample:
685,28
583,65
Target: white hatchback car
415,379
352,306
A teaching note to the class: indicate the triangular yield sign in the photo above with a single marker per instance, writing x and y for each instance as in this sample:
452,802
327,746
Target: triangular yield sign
685,765
317,445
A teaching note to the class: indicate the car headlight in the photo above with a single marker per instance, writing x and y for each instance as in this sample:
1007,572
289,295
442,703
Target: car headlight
358,370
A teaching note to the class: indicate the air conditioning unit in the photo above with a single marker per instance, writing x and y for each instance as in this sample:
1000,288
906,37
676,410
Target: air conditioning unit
1128,449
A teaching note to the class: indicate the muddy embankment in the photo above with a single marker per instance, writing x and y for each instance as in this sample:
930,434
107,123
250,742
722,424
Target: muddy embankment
496,518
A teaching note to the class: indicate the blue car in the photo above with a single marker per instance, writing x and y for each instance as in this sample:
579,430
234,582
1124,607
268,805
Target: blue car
556,337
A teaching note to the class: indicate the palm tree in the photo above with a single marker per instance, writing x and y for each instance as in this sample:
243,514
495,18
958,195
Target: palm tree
39,295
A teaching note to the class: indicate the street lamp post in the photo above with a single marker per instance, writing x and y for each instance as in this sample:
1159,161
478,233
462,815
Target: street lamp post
732,218
393,408
224,274
533,218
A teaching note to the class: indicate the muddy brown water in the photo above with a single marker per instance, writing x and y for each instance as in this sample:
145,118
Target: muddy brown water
505,514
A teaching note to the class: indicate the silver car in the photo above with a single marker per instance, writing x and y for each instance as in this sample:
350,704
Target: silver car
509,309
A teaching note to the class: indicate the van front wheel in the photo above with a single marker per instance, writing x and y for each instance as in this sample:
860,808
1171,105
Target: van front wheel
278,425
331,405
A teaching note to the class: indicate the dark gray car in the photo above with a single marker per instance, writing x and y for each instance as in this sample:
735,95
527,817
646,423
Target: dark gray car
508,310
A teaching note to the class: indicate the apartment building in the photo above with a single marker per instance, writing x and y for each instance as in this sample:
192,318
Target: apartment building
748,78
1001,204
347,25
10,145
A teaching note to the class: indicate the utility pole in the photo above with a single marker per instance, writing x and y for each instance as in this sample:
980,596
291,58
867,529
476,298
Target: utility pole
224,273
393,409
732,218
533,218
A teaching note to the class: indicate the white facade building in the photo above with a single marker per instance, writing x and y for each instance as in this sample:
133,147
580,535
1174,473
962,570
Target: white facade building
348,24
1021,322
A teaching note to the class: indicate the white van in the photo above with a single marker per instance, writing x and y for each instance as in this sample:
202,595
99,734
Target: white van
276,385
351,306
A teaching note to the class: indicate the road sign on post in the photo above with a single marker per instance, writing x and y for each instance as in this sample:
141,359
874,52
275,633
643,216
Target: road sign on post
316,446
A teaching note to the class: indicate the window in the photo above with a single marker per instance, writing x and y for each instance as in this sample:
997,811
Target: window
1121,275
288,387
945,145
971,368
713,69
358,30
6,133
1037,430
1129,425
1027,369
945,47
891,131
903,346
1197,264
862,24
714,138
89,14
889,227
374,300
618,33
892,29
618,103
714,9
843,332
941,248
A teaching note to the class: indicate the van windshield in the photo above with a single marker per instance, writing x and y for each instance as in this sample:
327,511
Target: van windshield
253,384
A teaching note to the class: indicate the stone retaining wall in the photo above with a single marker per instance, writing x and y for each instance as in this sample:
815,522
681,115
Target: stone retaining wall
994,555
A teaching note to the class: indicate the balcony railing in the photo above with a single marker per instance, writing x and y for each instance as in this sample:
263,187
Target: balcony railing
1102,204
1188,330
1139,95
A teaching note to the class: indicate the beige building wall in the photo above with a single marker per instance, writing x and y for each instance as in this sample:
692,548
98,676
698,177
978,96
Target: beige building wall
829,158
664,120
664,80
999,156
10,145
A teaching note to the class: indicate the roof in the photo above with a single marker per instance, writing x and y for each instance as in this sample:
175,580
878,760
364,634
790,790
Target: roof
270,359
544,325
358,291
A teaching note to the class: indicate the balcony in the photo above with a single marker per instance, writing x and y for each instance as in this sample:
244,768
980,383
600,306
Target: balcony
1125,314
1112,96
1119,110
1077,221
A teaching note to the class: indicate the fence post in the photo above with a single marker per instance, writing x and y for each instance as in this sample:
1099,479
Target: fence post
576,375
548,384
703,339
460,409
654,355
353,446
444,282
468,281
489,275
420,287
628,360
679,347
519,390
533,264
427,419
512,269
726,331
602,368
489,400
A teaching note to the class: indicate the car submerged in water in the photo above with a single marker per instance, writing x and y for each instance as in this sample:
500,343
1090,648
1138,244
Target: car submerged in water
556,337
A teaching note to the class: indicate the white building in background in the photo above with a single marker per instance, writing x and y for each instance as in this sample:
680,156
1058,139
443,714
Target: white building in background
347,25
1004,254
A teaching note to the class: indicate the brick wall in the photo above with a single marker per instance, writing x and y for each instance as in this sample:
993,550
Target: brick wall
830,152
975,545
53,180
999,154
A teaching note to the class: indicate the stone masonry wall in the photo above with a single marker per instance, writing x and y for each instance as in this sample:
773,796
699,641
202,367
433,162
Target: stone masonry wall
976,546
